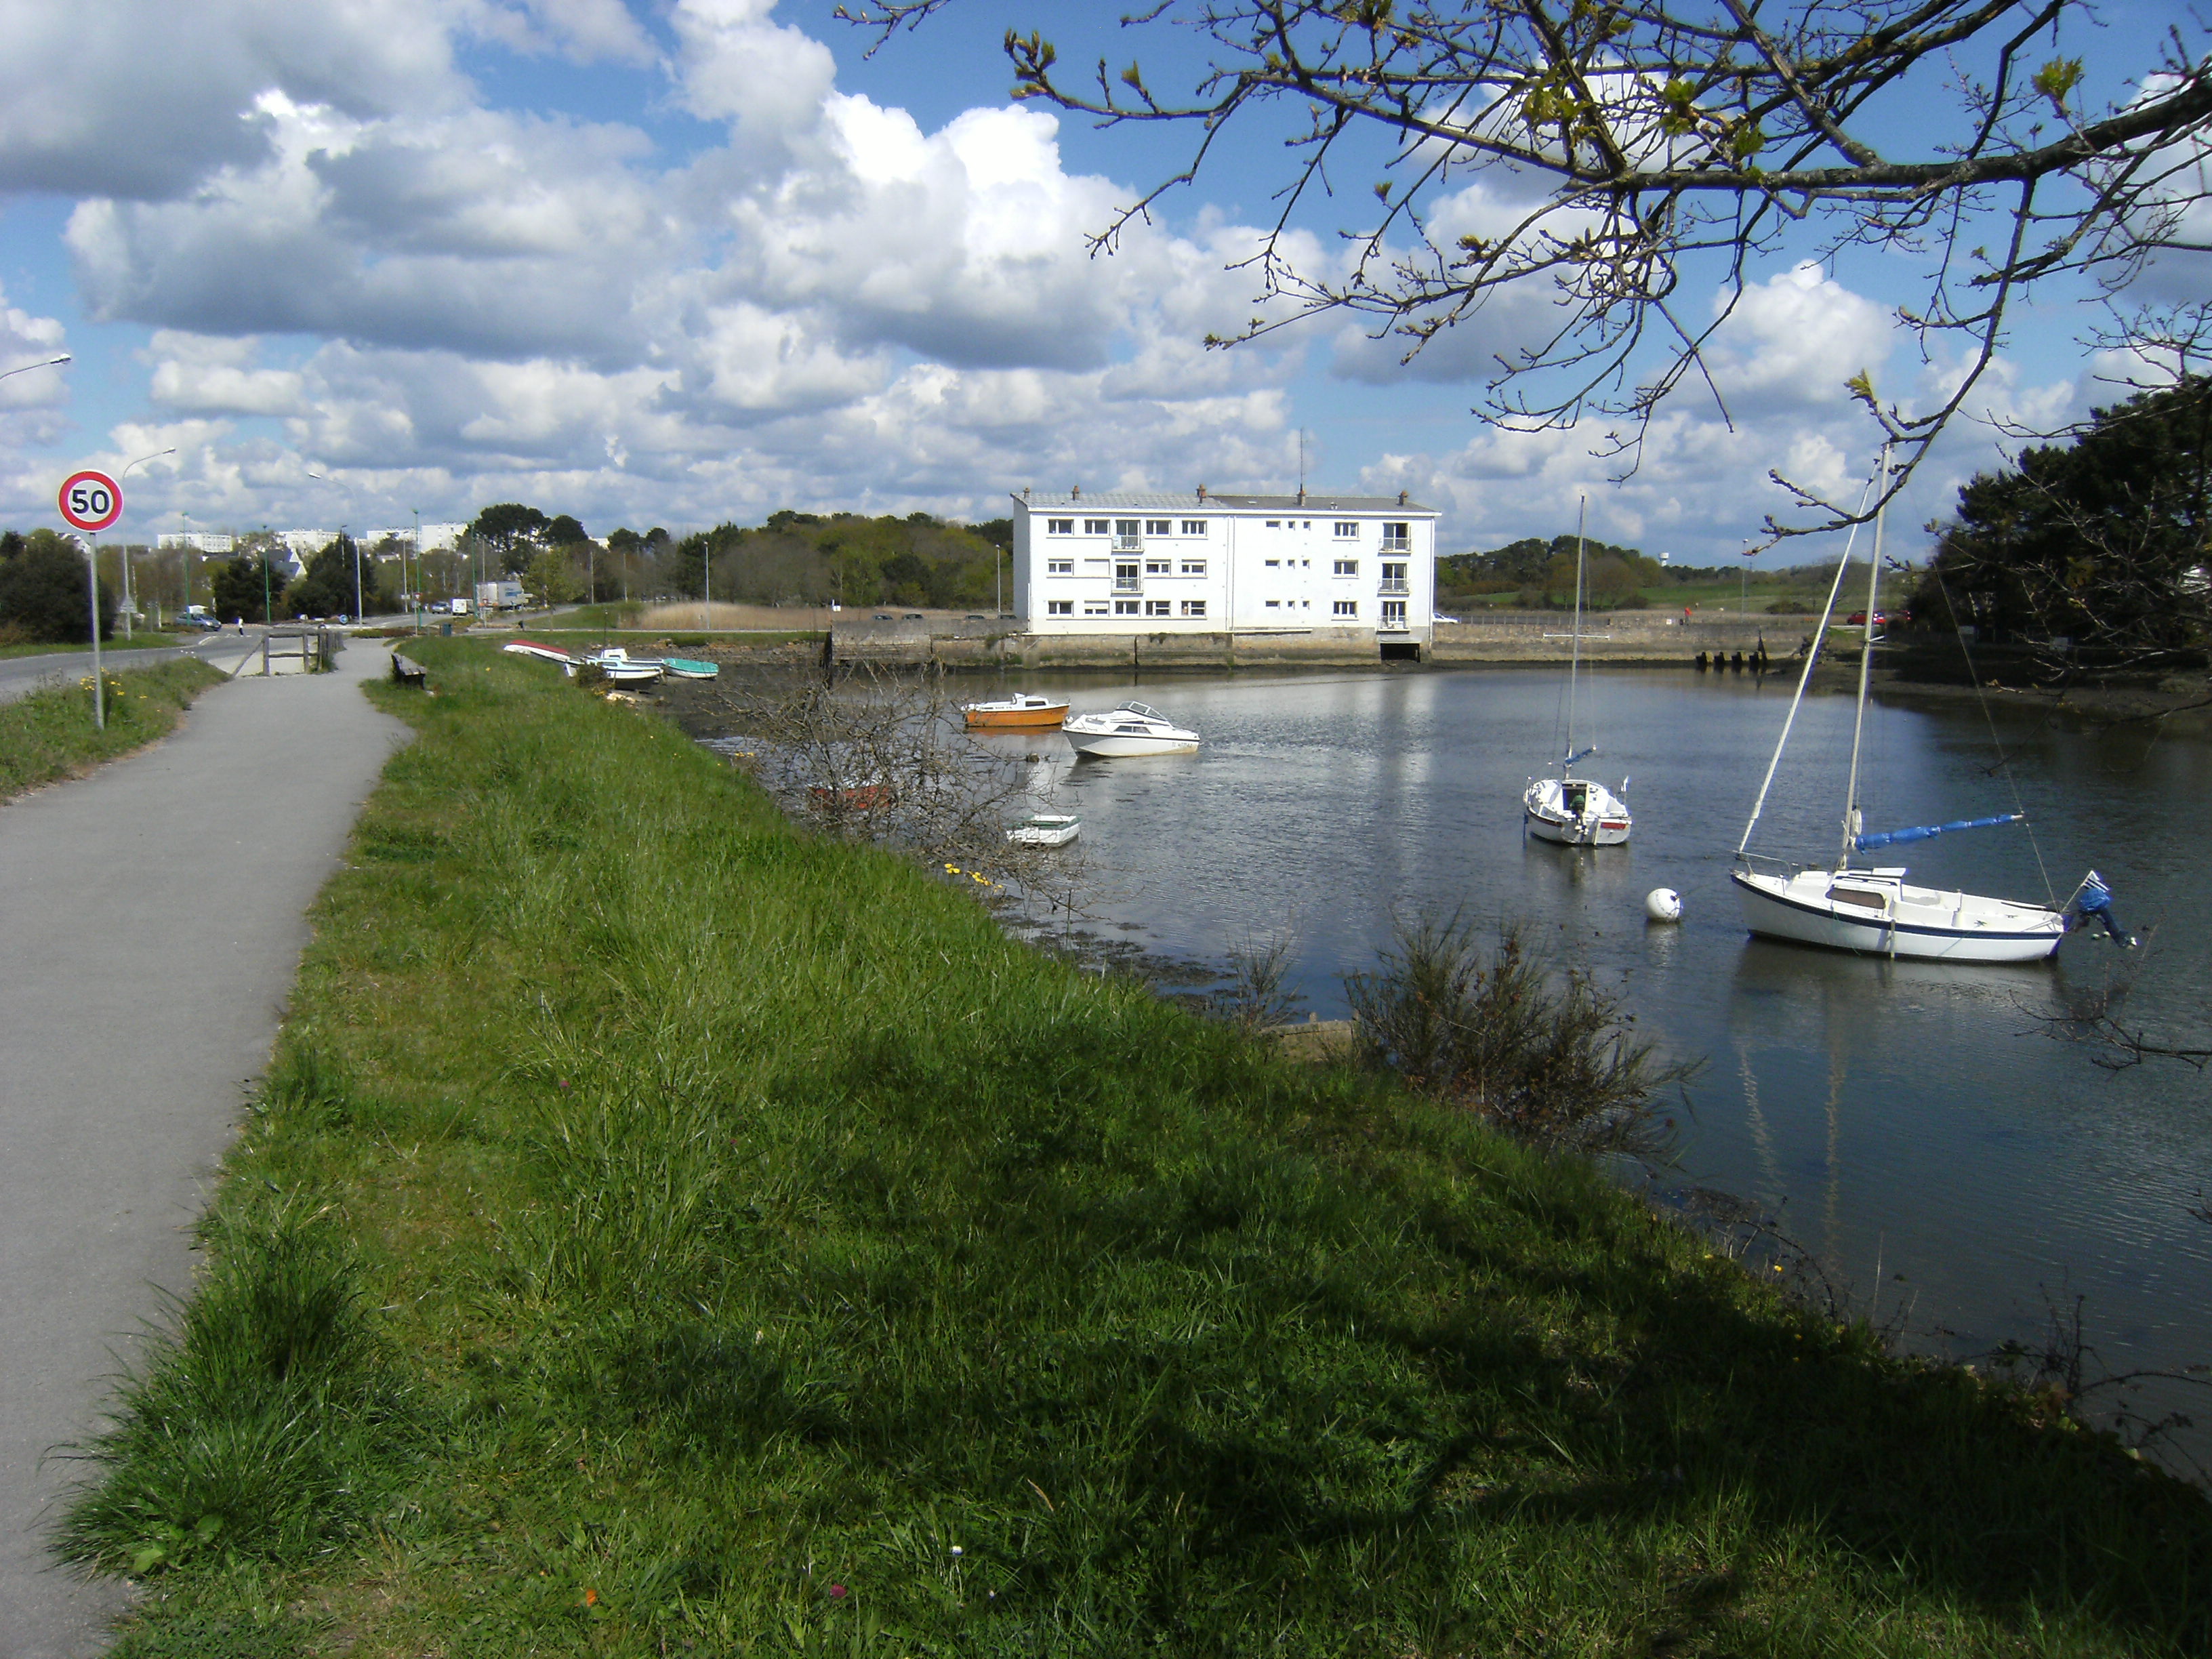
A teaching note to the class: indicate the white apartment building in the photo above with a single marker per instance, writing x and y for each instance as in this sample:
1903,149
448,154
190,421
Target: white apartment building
1146,563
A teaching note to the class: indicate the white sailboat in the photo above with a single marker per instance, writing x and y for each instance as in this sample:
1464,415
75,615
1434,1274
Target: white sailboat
1571,811
1873,908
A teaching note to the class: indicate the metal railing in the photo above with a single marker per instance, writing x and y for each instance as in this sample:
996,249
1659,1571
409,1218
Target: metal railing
1128,584
1396,585
1397,545
1129,544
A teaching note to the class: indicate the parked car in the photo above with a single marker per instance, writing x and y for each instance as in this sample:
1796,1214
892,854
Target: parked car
911,616
1856,619
881,616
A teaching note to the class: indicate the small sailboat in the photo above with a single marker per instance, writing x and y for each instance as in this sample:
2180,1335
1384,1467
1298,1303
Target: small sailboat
1873,908
1023,712
1571,810
542,652
1131,729
1045,830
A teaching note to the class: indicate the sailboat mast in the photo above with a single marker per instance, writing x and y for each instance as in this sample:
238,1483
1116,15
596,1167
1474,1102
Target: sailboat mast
1866,670
1574,664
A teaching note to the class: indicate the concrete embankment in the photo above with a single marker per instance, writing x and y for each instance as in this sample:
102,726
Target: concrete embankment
1642,636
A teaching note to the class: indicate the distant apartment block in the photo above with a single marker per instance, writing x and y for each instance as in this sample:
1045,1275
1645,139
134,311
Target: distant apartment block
1145,563
199,541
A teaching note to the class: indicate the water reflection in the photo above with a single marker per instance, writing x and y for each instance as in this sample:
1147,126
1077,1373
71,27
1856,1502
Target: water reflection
1908,1113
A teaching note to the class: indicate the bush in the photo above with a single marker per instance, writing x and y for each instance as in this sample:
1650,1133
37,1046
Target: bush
43,592
1789,608
1540,1053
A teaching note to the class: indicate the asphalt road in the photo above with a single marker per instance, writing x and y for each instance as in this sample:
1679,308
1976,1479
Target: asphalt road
151,921
21,675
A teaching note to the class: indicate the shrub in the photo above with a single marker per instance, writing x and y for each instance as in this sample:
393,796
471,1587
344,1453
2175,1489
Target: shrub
1541,1052
43,592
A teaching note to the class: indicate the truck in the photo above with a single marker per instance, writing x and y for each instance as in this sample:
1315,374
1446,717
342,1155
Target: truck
501,596
460,607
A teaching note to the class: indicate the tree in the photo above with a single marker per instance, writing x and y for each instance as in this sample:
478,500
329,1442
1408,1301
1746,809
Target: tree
237,585
326,588
510,532
554,578
44,591
565,531
1631,143
2103,542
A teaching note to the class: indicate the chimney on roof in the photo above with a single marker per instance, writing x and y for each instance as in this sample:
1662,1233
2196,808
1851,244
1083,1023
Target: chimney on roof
1401,498
1075,494
1201,492
1302,495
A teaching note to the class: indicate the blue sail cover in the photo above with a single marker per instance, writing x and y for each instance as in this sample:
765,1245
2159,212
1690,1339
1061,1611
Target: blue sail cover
1583,756
1929,831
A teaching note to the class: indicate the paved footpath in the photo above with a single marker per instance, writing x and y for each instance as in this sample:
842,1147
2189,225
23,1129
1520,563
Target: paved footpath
151,921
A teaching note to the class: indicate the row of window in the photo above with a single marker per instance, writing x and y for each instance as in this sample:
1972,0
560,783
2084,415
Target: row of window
1126,608
1346,530
1394,610
1125,574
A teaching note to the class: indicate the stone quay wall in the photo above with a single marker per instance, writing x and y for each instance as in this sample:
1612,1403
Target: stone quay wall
1534,637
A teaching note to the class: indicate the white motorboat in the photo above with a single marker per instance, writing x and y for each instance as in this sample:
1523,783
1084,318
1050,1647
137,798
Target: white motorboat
621,668
1571,810
1045,830
1131,729
1874,909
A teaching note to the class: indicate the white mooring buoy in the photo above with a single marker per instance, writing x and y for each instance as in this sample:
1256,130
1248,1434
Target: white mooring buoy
1663,904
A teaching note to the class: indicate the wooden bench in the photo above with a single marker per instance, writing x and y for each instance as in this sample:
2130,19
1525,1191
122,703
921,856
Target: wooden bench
405,670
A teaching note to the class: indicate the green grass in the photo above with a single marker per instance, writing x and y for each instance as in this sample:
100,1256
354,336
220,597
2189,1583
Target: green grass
49,734
748,637
144,639
661,1232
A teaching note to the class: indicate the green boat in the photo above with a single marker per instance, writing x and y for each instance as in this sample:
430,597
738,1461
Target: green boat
688,668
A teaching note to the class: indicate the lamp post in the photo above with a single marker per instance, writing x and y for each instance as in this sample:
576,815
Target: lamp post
125,555
43,362
415,593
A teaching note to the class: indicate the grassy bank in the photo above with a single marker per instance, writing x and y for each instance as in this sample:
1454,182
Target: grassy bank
49,734
47,648
663,1233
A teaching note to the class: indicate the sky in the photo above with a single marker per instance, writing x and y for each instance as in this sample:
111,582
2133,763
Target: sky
676,262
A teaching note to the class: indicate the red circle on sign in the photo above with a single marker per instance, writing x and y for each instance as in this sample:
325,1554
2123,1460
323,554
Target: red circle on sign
91,501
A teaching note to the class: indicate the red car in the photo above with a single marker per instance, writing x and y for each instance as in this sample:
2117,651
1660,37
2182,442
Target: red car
1881,618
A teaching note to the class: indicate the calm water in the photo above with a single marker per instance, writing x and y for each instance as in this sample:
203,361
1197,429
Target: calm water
1906,1114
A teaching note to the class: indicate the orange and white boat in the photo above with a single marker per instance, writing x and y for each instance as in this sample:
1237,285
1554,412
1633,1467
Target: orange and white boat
1023,712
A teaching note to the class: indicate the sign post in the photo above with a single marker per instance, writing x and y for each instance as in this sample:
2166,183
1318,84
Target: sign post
90,502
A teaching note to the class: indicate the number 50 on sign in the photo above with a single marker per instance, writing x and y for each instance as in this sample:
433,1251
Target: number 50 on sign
91,501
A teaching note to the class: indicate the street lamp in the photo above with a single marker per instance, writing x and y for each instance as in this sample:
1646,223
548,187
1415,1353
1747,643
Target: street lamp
324,478
126,473
44,362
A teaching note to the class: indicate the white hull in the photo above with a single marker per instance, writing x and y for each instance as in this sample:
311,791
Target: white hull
1593,818
1107,744
1876,913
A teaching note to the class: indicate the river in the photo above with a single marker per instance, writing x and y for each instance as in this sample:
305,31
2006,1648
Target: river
1912,1125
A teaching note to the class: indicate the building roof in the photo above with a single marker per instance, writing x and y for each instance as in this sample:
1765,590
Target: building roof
1190,502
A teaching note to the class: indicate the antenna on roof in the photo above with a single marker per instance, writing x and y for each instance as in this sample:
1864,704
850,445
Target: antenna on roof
1302,466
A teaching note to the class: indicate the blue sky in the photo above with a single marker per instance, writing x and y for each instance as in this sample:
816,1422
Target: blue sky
675,262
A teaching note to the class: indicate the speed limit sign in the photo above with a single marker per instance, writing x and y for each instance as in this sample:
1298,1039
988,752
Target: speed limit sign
91,501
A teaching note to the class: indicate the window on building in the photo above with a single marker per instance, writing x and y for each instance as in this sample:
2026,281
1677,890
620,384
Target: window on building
1157,608
1347,566
1159,527
1273,524
1126,538
1394,613
1193,567
1125,607
1190,607
1094,607
1060,567
1096,526
1159,567
1059,607
1060,526
1273,605
1348,607
1193,526
1393,577
1346,529
1125,580
1398,538
1271,564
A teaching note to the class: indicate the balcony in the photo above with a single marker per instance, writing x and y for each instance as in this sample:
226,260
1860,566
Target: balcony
1397,545
1395,584
1129,544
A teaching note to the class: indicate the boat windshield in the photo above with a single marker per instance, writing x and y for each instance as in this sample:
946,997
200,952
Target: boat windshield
1142,711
